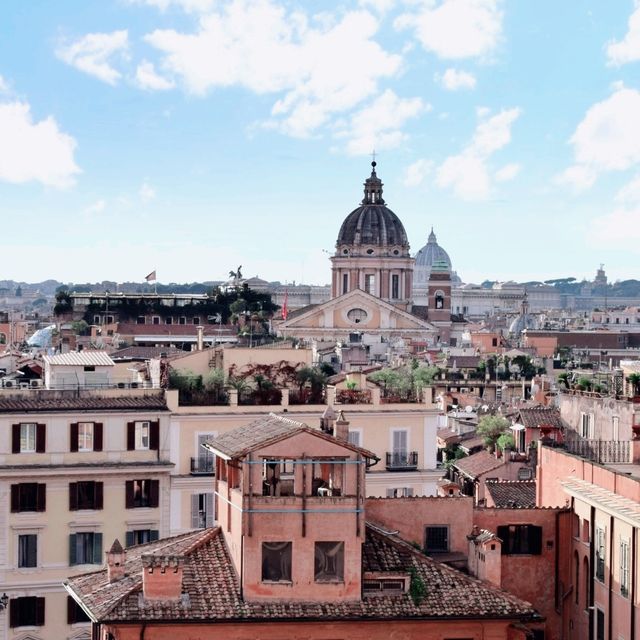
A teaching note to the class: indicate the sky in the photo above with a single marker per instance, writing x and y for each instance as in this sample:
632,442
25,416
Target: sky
193,136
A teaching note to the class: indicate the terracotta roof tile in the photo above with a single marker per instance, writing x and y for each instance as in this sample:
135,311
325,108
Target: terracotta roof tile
478,463
212,591
513,494
536,417
38,402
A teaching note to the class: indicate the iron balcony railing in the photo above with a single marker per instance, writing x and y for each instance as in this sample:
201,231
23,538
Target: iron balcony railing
600,451
202,466
402,460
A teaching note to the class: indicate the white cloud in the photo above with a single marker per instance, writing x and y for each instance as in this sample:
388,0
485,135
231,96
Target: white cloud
322,70
148,78
508,172
379,124
628,49
607,139
4,87
452,79
468,173
417,172
34,151
455,29
190,6
147,193
95,208
92,54
381,6
630,193
618,230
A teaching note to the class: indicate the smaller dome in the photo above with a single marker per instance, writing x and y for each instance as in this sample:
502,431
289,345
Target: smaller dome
431,253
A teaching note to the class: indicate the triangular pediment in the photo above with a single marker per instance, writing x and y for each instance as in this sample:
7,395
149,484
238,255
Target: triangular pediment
356,311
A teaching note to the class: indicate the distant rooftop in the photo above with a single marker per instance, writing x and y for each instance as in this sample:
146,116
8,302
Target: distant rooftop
81,358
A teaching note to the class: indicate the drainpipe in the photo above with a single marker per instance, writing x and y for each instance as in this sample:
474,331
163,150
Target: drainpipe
592,571
632,575
610,613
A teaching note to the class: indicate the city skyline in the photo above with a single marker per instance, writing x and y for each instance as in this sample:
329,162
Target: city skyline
190,136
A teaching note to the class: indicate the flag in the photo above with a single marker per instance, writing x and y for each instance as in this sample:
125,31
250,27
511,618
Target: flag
151,276
285,310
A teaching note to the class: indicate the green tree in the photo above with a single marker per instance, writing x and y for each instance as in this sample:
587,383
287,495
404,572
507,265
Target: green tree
490,428
506,441
634,380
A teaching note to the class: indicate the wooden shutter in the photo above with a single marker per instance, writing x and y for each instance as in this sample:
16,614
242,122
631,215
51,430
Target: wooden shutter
15,438
32,550
535,540
41,498
39,612
73,496
208,501
41,438
195,515
154,435
73,437
98,495
154,535
128,494
154,493
128,539
72,549
13,612
97,436
71,610
15,498
131,436
97,548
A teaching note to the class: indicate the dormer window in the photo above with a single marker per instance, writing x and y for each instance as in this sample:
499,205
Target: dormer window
380,585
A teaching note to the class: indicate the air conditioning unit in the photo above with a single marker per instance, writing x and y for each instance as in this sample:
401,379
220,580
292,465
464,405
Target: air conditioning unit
8,384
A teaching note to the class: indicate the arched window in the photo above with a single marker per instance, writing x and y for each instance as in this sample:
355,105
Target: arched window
439,296
3,338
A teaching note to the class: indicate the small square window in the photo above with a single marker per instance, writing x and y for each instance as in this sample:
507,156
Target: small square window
276,561
329,562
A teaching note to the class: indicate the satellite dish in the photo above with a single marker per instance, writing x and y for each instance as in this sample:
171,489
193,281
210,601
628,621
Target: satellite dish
468,408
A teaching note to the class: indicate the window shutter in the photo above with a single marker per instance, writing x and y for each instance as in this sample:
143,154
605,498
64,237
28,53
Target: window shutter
97,548
408,492
390,493
13,612
154,493
73,437
535,539
32,551
131,436
41,498
154,435
15,438
195,516
71,610
154,535
209,509
41,438
39,612
72,549
73,496
128,492
15,498
99,495
128,539
97,436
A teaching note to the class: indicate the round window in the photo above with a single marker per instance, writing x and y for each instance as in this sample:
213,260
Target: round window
370,251
345,251
357,315
395,252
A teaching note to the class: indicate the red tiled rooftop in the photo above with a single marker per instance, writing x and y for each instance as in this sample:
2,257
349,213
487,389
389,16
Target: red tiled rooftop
513,494
40,402
478,463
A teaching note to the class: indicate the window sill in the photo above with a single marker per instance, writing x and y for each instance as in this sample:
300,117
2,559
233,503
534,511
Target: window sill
328,581
285,583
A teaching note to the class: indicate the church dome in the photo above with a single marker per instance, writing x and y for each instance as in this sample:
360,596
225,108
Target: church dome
431,253
372,225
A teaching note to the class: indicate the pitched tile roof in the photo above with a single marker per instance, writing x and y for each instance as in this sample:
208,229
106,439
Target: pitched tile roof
267,430
212,592
513,494
83,358
146,353
36,401
478,463
536,417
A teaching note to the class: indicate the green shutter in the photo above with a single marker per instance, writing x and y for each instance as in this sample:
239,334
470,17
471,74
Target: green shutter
72,549
97,548
154,534
128,539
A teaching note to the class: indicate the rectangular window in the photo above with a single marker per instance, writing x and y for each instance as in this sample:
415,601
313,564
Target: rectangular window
520,539
395,286
142,435
436,539
155,319
28,437
329,562
276,561
86,494
168,320
400,492
615,427
327,479
600,633
75,613
28,496
370,283
142,493
345,283
26,612
196,320
141,536
624,568
601,551
202,510
85,436
354,438
27,550
85,548
586,425
140,320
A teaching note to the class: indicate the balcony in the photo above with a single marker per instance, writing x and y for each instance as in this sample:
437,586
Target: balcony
202,466
402,461
600,451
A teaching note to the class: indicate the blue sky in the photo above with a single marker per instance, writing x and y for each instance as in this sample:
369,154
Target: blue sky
191,136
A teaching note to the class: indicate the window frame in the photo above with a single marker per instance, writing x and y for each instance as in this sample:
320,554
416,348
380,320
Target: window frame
431,548
23,426
288,551
26,611
140,426
83,436
323,547
600,553
19,551
513,539
625,573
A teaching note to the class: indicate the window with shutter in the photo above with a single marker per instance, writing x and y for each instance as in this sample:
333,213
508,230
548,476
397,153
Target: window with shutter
97,436
75,613
41,438
73,437
28,550
15,438
154,436
26,612
27,496
195,511
85,548
131,436
520,539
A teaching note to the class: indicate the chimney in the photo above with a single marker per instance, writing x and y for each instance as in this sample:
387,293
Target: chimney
341,429
162,577
200,330
116,558
328,420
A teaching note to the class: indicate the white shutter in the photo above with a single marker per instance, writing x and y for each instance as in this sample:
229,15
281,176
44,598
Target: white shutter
408,492
391,493
209,511
354,438
195,511
400,442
